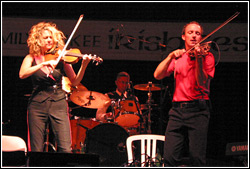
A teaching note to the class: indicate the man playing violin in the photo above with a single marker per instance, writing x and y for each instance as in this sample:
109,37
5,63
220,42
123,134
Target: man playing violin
47,103
190,112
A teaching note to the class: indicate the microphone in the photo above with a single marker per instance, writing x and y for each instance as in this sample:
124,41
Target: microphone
129,89
119,35
129,85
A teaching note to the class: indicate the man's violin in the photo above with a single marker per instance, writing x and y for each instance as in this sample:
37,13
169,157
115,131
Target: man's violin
206,44
202,50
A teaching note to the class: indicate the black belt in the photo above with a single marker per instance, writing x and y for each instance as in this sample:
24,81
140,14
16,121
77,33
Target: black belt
48,88
190,104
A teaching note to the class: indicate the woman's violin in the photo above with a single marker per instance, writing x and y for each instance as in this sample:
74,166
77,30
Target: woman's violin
71,56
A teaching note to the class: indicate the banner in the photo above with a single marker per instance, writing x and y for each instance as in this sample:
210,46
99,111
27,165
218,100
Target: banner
142,41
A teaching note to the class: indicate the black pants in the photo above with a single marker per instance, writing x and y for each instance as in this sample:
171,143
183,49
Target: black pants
57,113
193,123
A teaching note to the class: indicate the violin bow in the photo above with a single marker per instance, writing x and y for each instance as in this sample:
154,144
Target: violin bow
223,24
67,43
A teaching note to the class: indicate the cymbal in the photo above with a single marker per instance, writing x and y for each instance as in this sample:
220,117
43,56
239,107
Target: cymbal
145,87
67,86
79,87
89,99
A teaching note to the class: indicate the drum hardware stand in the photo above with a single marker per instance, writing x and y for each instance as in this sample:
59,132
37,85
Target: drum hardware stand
162,100
83,126
135,100
83,145
113,109
149,107
47,143
130,39
89,98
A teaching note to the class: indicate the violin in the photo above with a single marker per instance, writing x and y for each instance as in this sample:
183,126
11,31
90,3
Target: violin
205,47
71,56
203,50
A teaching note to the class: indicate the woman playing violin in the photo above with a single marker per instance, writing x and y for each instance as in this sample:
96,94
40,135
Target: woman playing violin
189,115
48,103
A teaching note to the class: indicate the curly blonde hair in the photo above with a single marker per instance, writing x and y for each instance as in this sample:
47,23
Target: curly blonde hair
35,33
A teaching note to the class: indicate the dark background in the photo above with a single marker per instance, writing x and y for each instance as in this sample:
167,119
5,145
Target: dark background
229,88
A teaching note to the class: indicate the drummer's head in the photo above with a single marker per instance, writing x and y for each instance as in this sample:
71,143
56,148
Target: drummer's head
122,81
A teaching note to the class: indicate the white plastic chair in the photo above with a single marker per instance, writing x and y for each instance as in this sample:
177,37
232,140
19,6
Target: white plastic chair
150,146
13,143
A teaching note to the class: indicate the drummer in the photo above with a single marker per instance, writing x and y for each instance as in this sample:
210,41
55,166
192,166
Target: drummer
122,92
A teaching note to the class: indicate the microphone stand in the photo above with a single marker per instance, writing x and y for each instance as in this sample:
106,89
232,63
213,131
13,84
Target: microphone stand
129,38
135,101
119,37
149,107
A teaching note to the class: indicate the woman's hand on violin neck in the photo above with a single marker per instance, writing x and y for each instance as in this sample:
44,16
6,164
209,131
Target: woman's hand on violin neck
86,58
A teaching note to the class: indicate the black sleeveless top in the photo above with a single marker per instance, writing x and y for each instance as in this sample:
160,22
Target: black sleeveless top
45,87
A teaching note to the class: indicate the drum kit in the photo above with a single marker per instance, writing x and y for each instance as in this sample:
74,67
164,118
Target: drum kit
108,139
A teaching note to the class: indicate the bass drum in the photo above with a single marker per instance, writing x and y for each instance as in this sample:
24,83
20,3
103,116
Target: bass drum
79,128
108,140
